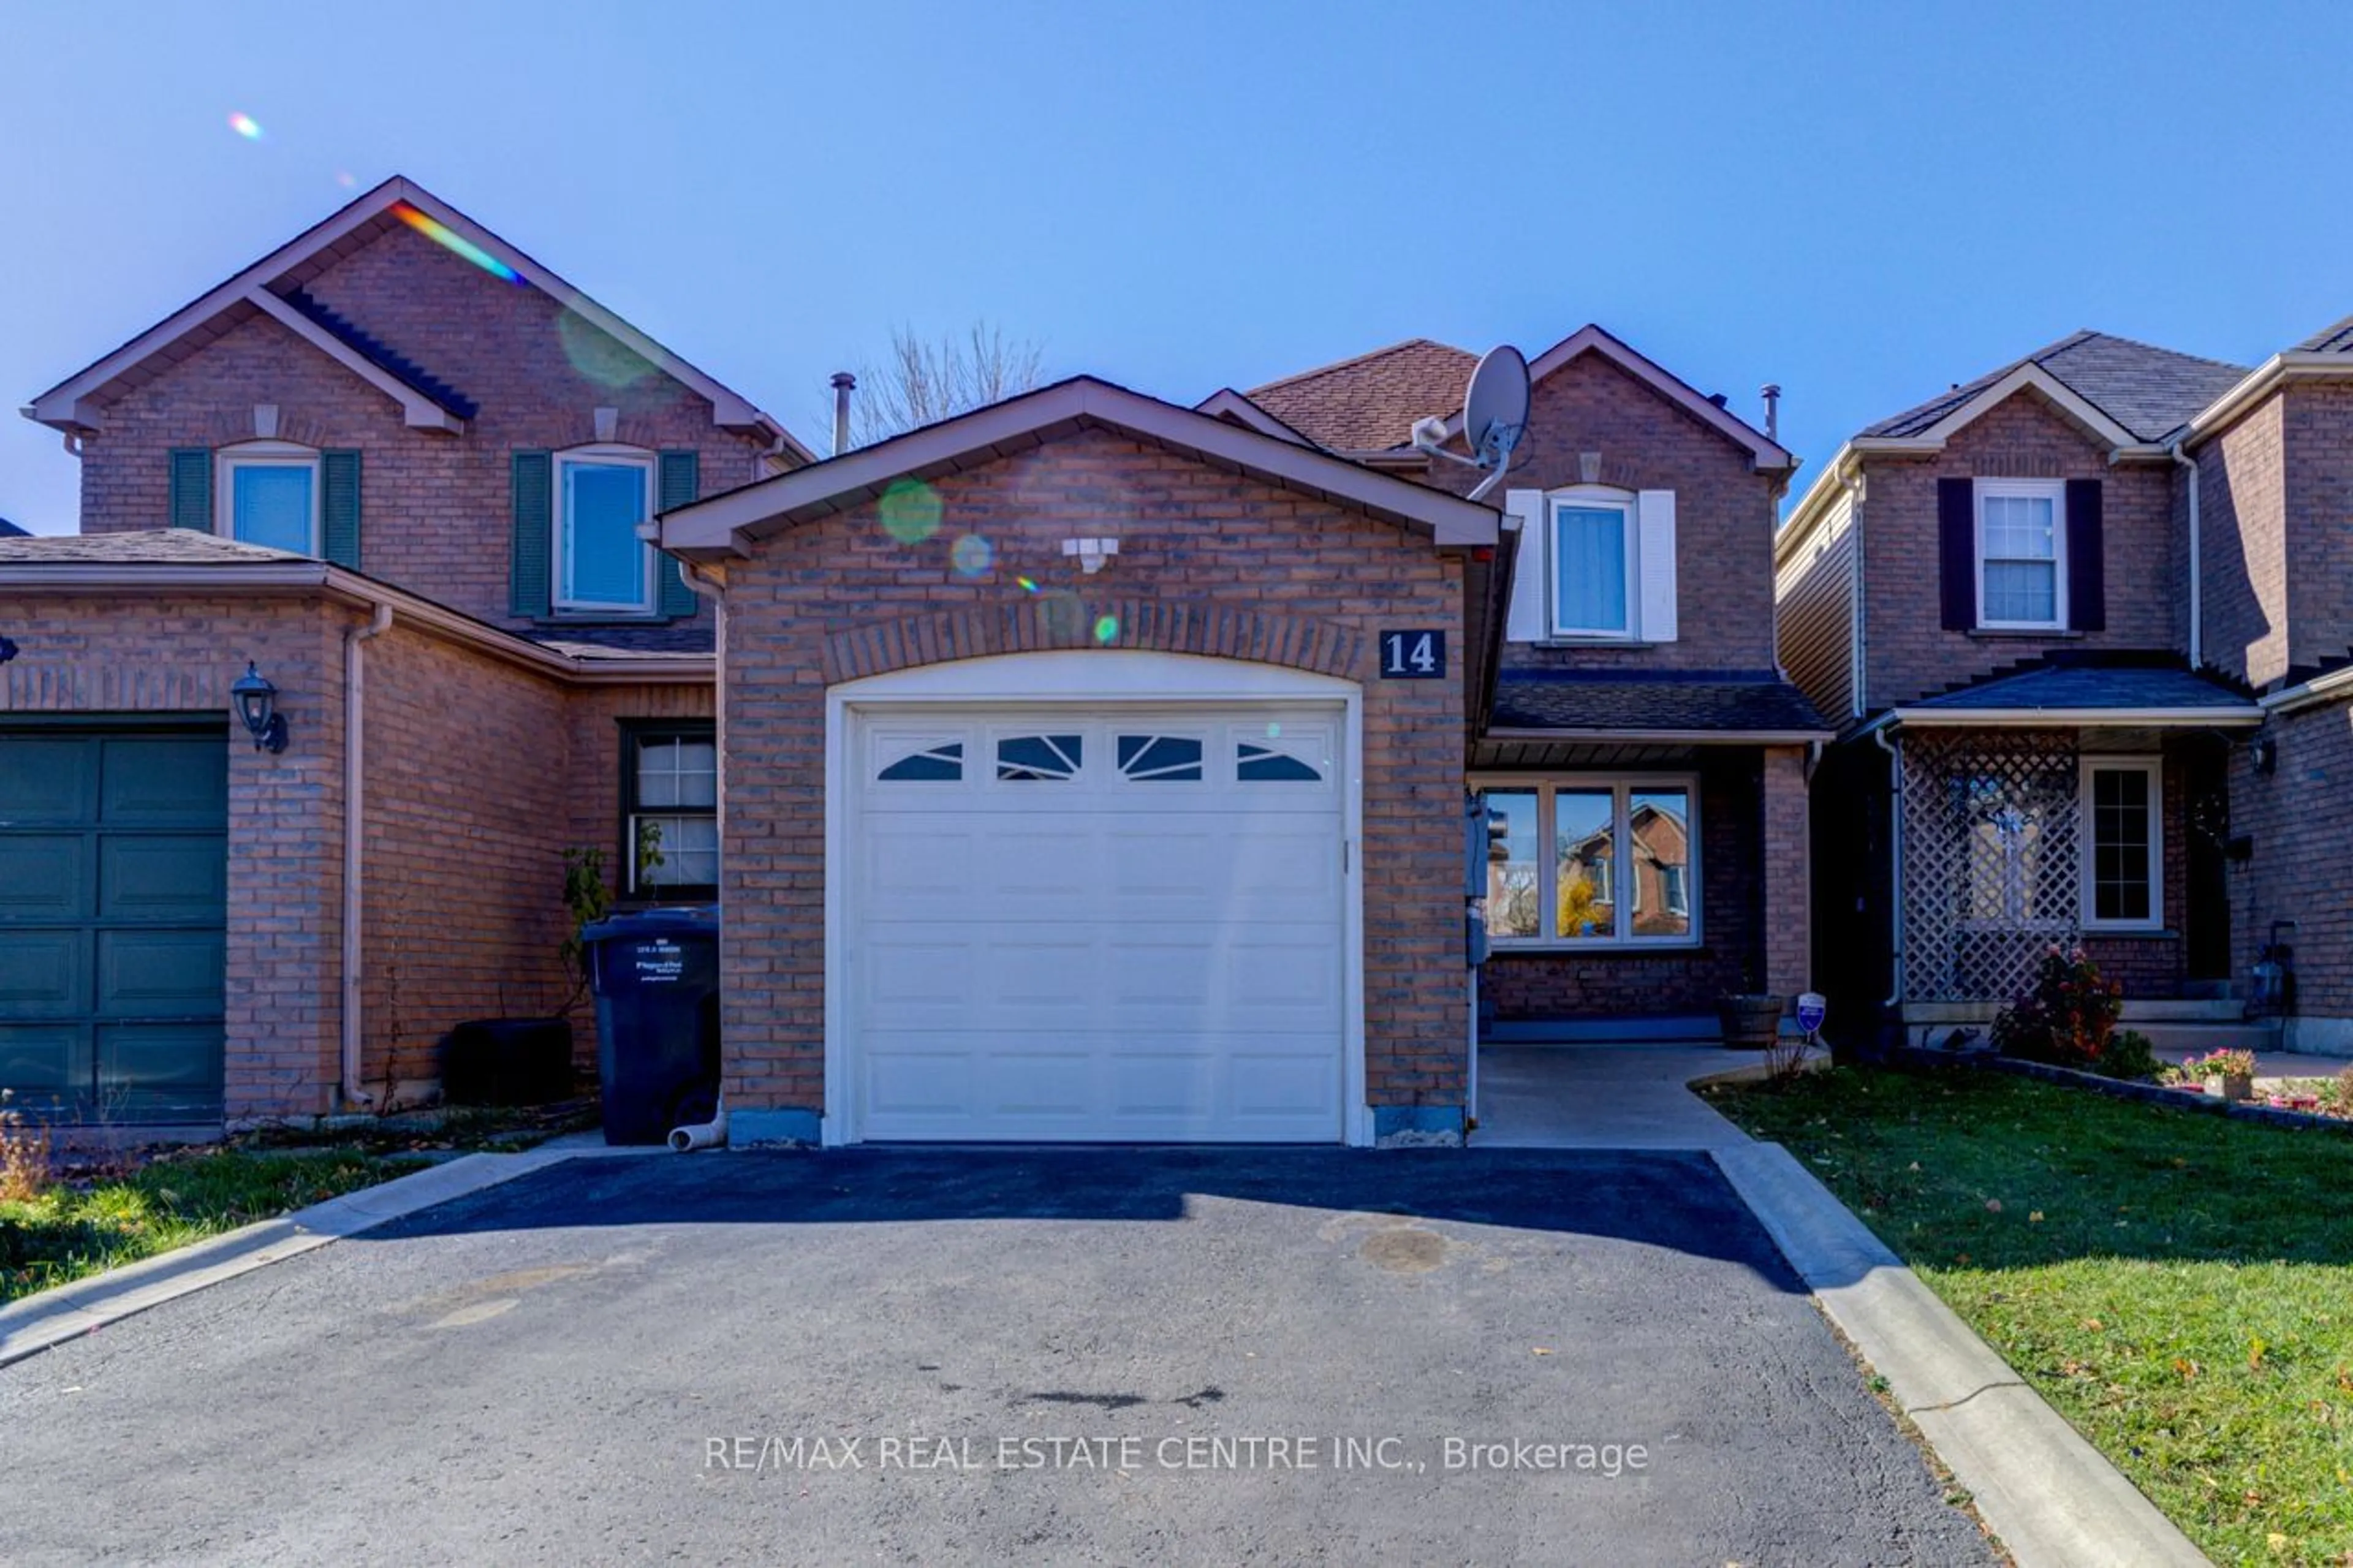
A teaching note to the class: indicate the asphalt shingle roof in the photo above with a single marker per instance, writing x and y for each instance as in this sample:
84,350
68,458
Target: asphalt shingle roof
2090,687
144,547
2149,390
1656,701
2331,340
1368,403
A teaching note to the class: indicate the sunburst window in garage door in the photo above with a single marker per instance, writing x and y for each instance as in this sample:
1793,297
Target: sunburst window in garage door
1033,758
939,764
1264,764
1160,759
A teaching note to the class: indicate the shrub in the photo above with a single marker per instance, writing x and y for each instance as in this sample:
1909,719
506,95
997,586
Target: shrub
24,1171
2131,1054
2069,1020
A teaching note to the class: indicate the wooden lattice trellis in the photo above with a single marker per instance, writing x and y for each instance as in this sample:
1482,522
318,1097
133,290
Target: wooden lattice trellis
1989,860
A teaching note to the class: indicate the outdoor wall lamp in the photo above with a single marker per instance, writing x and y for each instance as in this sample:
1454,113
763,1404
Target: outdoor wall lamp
2265,756
257,701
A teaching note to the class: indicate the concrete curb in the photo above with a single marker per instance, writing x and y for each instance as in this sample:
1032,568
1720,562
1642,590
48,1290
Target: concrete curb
37,1322
2046,1492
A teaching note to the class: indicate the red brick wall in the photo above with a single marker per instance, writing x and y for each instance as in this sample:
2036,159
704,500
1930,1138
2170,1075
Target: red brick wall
1910,655
2243,546
436,506
1723,513
1209,562
2319,419
122,654
2300,818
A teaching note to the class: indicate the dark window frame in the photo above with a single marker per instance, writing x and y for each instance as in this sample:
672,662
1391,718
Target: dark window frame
635,732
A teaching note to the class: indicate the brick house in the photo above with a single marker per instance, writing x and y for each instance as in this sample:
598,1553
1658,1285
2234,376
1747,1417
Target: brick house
2081,622
1637,700
399,468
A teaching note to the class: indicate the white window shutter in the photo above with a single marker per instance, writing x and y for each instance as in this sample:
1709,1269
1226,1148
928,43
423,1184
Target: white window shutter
1526,621
1656,511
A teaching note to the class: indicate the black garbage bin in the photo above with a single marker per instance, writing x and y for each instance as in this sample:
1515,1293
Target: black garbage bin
656,978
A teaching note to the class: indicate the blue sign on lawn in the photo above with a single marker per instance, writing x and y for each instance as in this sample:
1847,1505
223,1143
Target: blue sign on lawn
1810,1009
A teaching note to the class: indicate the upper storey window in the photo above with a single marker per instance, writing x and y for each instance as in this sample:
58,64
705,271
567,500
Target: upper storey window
2021,555
1596,564
603,493
268,493
1591,566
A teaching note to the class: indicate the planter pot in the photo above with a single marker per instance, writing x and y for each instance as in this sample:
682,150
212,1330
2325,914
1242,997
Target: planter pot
2234,1087
1750,1023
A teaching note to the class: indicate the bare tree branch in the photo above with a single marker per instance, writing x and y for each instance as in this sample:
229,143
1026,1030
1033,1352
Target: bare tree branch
922,381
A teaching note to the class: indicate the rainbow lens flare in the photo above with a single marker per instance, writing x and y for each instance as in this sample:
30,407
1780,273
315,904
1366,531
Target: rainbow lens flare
441,234
246,125
1106,629
1027,586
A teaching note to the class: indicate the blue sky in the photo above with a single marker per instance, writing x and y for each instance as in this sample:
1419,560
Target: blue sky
1864,203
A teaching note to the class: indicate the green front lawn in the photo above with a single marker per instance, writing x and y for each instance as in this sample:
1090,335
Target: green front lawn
77,1228
2179,1286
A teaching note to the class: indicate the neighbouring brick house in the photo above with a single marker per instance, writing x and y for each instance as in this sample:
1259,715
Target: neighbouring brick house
2080,623
1638,701
399,468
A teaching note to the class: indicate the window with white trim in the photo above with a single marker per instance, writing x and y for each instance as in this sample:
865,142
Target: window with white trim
268,493
2021,555
602,494
1592,588
1578,863
2123,843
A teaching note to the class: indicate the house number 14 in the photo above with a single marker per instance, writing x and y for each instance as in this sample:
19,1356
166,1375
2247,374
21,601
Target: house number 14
1413,656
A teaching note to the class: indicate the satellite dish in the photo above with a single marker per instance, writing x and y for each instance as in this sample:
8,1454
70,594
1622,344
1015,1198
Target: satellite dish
1495,413
1495,407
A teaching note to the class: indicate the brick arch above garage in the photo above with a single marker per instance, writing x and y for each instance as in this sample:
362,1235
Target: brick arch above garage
1210,627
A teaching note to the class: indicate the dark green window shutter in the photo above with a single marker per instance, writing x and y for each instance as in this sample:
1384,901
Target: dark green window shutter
192,487
681,485
534,501
339,507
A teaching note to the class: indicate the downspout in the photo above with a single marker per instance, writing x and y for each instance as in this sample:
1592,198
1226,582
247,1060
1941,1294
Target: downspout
2197,594
1894,867
354,841
688,1137
1859,644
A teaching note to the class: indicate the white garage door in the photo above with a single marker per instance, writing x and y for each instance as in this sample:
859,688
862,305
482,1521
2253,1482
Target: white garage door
1096,922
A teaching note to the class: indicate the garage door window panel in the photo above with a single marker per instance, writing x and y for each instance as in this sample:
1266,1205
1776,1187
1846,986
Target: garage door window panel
1032,758
941,763
1160,759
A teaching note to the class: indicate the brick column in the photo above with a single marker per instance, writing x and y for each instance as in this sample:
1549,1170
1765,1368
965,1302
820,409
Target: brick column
1784,863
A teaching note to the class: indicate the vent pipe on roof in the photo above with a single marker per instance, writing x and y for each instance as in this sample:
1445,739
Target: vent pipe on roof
1771,393
844,384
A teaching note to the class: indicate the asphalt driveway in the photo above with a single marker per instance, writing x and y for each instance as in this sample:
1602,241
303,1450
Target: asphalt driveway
1483,1356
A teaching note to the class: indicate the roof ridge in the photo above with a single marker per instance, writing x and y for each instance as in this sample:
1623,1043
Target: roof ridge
2138,343
1353,360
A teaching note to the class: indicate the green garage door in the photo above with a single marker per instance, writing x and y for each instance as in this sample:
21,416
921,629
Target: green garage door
113,900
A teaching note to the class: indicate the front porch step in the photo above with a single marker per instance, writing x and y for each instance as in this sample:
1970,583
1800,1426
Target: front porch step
2264,1034
2183,1010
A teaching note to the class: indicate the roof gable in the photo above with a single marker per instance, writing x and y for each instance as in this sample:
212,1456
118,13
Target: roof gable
1591,339
274,286
725,524
2128,393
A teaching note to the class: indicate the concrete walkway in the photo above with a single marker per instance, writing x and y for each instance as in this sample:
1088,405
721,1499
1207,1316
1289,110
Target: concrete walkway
1603,1096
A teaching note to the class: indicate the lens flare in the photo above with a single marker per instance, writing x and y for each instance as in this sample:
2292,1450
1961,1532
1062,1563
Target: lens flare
1106,629
971,555
441,234
1027,586
246,125
345,178
911,510
1274,732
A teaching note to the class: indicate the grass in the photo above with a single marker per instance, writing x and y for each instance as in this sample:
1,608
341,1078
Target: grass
2179,1286
77,1226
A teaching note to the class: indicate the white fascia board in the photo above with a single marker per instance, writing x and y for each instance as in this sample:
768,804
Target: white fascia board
1765,454
2071,402
2321,688
417,411
723,523
58,404
273,579
2068,718
1815,504
2295,365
